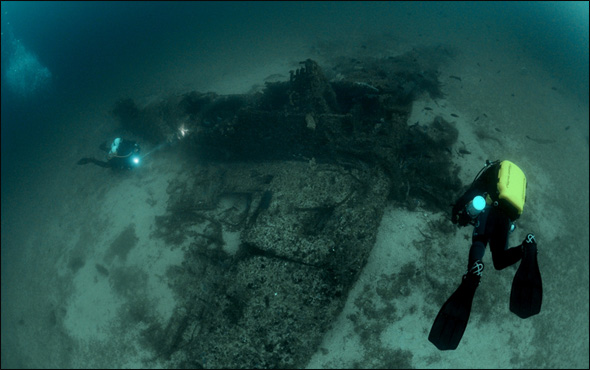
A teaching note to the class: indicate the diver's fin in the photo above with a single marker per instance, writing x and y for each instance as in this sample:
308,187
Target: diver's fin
527,288
451,321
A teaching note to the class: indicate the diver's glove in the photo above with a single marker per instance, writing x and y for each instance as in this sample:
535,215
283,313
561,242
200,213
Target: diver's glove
459,215
455,214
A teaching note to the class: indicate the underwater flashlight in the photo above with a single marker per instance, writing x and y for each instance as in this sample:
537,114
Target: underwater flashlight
476,206
135,159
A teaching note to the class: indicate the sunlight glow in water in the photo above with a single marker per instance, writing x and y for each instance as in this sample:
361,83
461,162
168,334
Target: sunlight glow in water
25,75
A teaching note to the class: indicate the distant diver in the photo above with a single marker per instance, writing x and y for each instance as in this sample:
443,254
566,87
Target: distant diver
492,203
123,154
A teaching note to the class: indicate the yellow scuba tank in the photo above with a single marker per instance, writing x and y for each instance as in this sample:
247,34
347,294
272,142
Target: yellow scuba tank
511,189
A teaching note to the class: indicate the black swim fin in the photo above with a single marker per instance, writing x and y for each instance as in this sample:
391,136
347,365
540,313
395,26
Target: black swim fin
451,321
526,296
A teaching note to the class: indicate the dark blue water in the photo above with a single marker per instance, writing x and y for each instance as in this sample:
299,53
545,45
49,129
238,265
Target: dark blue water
86,45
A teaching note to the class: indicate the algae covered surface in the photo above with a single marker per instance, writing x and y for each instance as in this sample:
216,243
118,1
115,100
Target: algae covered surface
301,172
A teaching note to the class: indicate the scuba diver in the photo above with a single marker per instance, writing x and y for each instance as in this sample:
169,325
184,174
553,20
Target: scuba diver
491,204
123,154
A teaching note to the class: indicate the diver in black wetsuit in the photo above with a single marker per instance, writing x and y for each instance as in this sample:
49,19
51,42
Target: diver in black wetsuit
493,223
123,154
492,203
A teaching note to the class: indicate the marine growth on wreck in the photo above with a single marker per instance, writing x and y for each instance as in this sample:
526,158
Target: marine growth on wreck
301,172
